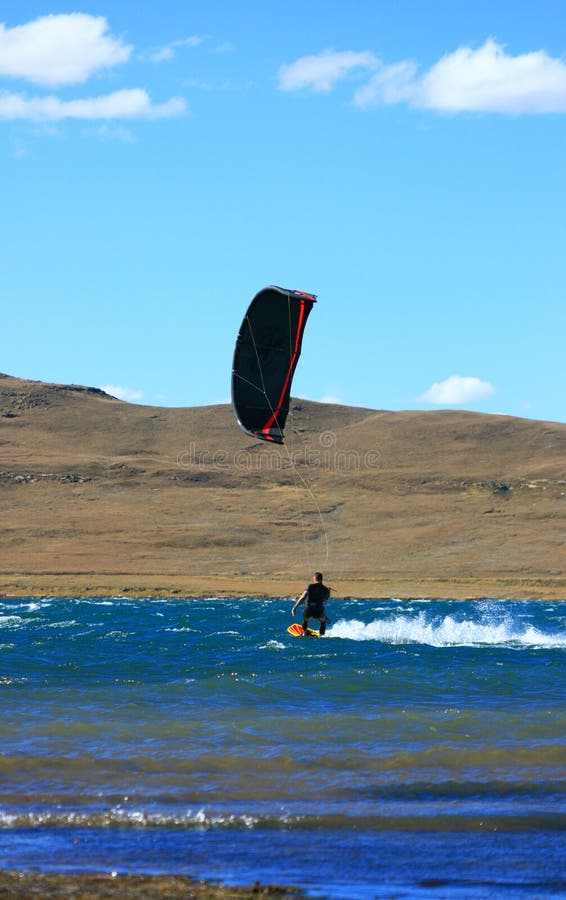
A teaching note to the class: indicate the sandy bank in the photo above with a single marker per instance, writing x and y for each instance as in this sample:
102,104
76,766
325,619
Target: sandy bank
277,586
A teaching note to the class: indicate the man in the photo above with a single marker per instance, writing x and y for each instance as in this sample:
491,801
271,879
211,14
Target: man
315,594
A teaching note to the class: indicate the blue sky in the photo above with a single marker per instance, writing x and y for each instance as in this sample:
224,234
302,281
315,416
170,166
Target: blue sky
406,161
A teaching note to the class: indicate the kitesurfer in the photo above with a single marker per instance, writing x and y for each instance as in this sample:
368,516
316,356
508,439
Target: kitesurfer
315,595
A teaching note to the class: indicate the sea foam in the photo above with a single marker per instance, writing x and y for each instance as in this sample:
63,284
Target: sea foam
445,632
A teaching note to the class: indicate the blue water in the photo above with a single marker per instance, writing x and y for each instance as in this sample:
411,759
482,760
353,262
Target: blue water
416,751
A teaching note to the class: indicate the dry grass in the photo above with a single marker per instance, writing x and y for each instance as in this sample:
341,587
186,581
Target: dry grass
100,496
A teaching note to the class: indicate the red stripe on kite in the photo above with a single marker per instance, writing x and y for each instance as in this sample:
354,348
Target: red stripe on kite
273,417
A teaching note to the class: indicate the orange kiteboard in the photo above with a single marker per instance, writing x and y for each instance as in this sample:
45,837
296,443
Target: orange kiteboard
297,631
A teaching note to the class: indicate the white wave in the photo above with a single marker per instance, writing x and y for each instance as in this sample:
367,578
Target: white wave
272,645
11,621
27,606
182,629
135,818
445,632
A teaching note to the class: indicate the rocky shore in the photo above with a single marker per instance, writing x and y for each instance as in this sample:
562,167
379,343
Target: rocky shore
20,885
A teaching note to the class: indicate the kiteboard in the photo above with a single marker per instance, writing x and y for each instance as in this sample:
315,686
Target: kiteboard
297,630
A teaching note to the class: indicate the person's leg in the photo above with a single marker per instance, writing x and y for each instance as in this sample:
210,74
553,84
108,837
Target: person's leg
322,624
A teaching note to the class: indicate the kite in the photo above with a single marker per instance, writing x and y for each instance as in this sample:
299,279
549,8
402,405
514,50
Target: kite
267,351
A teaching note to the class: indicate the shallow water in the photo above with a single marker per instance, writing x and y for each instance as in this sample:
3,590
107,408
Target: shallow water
417,750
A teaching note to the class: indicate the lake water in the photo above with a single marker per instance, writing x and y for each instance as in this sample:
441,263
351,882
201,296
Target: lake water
416,751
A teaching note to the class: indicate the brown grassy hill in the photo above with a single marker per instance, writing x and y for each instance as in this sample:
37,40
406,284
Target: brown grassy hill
103,496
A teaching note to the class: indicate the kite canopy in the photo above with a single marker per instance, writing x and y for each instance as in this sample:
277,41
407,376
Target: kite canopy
268,347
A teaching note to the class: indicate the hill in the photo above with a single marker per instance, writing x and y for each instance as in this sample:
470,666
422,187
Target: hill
101,496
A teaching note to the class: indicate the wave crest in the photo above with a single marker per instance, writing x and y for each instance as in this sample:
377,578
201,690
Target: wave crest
445,631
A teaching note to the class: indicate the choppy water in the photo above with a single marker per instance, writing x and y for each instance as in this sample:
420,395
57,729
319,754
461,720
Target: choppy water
416,751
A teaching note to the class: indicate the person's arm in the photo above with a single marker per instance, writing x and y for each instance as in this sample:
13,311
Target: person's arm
299,601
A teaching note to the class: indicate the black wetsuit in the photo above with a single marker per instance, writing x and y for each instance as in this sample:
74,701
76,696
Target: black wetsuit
317,594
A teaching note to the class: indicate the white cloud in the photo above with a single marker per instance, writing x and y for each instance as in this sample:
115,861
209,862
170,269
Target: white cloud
113,132
209,85
456,390
490,80
166,53
391,84
322,71
58,50
133,103
487,79
331,398
122,393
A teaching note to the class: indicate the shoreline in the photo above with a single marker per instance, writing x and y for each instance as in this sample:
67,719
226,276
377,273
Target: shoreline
278,586
98,886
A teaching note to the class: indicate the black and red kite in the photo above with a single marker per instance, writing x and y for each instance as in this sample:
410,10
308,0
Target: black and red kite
268,347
